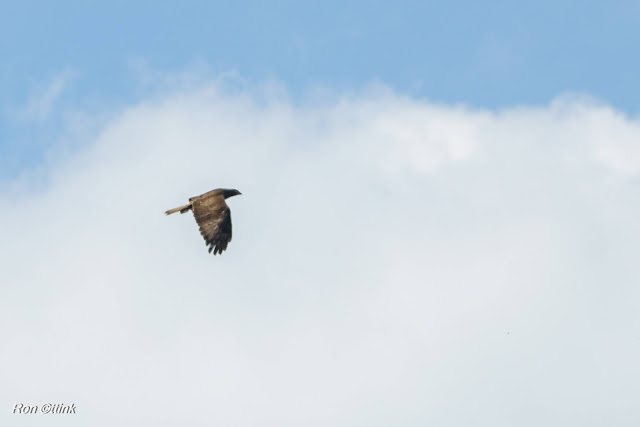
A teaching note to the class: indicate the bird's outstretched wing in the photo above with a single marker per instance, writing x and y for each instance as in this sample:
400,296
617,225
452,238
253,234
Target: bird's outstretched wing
214,219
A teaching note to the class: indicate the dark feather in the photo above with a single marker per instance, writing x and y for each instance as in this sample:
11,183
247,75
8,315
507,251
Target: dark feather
213,217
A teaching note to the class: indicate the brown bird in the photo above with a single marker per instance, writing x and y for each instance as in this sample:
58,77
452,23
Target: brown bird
213,216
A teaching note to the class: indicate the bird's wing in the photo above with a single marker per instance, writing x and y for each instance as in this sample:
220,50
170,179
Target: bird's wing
214,218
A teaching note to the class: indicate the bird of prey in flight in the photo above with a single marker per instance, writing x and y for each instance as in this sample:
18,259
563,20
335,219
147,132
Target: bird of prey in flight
213,216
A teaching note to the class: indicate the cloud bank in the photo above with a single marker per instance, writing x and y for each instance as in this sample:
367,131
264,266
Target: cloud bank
394,262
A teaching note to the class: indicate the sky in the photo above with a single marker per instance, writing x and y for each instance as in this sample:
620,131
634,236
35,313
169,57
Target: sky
438,223
493,54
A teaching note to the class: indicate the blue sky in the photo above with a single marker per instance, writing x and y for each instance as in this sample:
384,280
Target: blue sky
487,54
491,54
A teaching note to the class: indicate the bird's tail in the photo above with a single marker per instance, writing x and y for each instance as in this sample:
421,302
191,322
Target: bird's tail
182,209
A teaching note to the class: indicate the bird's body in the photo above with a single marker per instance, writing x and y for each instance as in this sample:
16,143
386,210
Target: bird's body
213,216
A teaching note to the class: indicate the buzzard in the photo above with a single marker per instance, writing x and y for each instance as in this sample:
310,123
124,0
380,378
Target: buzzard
213,216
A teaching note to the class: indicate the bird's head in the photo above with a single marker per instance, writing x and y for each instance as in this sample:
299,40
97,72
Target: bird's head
230,193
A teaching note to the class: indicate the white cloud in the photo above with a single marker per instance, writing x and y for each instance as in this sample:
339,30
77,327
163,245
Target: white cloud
394,262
